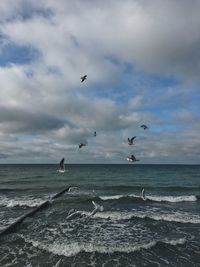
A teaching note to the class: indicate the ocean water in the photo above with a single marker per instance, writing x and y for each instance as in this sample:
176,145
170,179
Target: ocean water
163,230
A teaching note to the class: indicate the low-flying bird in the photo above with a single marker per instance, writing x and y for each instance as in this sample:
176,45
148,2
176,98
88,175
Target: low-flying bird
143,194
81,145
130,141
132,158
62,165
83,78
144,127
73,214
73,188
95,133
97,208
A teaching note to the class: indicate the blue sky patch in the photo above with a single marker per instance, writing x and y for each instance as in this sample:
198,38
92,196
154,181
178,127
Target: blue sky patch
12,53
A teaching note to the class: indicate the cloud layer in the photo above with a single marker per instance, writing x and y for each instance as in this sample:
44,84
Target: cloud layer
142,62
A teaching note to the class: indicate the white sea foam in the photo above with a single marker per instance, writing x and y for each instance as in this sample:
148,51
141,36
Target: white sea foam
172,198
183,198
180,217
111,197
71,249
29,202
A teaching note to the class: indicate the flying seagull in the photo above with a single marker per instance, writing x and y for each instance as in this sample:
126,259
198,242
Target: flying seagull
83,78
73,188
81,145
97,208
144,127
143,194
130,141
58,263
132,158
62,165
73,214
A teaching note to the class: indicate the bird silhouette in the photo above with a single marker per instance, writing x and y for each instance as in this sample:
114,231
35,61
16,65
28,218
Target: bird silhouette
81,145
130,141
144,127
83,78
62,165
132,158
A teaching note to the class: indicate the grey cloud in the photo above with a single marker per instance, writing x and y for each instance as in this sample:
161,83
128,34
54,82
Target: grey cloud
157,37
19,120
46,101
22,9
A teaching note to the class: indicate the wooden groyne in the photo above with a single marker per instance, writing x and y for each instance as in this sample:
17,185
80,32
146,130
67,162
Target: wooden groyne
61,192
44,205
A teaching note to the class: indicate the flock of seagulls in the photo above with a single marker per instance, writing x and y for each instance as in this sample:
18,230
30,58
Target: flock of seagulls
132,158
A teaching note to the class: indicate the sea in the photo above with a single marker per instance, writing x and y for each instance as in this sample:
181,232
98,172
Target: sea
162,229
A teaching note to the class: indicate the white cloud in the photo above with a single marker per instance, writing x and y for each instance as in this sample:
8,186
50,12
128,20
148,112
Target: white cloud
135,102
157,37
45,100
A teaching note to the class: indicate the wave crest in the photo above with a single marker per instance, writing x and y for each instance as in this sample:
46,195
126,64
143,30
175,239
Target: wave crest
168,217
29,202
76,247
184,198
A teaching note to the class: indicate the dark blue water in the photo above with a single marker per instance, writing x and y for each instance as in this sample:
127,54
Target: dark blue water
162,230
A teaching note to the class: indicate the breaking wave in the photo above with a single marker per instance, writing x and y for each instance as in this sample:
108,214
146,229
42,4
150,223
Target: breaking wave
28,202
183,198
177,217
75,248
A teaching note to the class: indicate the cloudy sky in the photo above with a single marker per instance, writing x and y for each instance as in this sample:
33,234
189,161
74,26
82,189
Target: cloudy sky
142,59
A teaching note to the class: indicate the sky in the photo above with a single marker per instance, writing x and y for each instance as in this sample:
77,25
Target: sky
142,59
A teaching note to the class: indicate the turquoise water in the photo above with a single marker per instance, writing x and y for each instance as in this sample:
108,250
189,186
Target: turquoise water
162,230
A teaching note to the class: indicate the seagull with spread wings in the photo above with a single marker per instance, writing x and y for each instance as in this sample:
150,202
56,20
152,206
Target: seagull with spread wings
130,141
144,127
83,78
132,158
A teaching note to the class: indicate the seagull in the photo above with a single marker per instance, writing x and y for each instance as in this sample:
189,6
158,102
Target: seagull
97,208
130,141
143,194
95,133
144,127
73,214
58,263
73,188
83,78
132,158
62,165
81,145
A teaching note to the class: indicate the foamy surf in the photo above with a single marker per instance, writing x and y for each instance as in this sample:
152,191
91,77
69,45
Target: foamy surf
75,248
184,198
191,198
169,217
28,202
111,197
